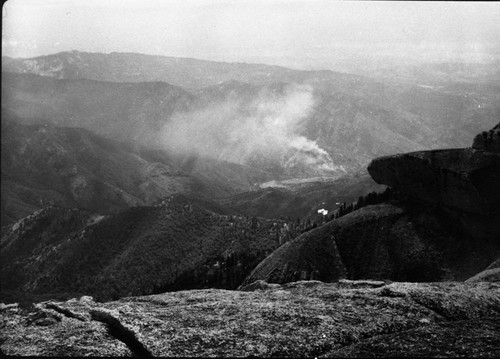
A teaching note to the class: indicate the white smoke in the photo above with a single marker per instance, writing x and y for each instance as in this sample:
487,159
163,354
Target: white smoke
238,131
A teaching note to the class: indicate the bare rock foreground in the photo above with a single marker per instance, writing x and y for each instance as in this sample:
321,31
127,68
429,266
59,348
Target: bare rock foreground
306,318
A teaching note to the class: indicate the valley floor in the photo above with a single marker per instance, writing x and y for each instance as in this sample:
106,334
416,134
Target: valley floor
307,318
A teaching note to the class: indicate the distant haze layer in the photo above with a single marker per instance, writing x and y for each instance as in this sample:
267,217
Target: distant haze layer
312,34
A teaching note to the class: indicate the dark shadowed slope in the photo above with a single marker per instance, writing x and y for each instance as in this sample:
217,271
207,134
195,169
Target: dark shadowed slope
311,256
72,167
176,244
380,242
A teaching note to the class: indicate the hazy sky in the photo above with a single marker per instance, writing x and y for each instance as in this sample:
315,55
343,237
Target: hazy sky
247,30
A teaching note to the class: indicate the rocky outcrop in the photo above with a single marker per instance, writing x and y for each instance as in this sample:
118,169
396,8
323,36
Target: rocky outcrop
463,182
300,319
488,141
258,285
462,179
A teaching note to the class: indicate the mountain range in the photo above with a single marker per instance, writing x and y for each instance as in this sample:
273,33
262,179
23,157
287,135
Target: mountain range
207,208
352,118
216,129
108,132
60,251
438,225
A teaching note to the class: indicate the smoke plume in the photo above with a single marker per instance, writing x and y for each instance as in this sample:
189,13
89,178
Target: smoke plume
242,131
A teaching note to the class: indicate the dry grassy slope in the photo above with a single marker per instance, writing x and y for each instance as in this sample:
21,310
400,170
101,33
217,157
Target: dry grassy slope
175,245
301,319
382,242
